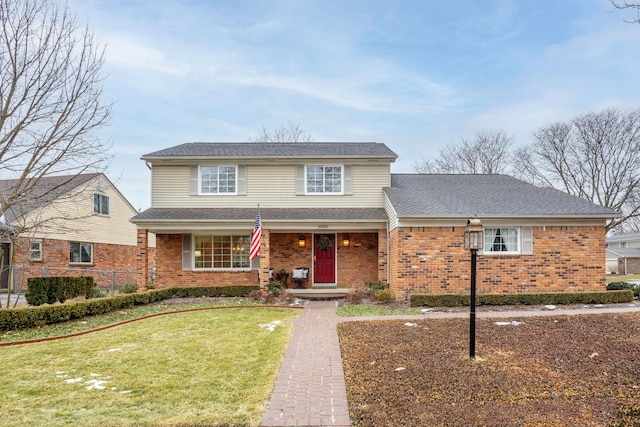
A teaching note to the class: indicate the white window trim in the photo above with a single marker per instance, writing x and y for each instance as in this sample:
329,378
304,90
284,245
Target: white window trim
31,257
498,253
201,193
323,165
90,262
193,253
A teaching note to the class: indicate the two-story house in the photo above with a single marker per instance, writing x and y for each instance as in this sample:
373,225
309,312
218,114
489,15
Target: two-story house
336,209
70,225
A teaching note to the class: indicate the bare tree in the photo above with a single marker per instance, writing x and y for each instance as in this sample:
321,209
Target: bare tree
489,152
50,98
283,133
595,156
625,5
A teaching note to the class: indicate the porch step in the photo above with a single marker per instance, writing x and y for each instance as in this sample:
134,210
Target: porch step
320,292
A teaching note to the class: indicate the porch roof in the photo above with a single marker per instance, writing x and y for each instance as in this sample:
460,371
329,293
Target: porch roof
208,215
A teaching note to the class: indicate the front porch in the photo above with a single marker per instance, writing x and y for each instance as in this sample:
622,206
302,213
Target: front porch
337,261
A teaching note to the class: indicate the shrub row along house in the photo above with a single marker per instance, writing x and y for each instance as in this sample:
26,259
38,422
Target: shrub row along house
68,225
337,210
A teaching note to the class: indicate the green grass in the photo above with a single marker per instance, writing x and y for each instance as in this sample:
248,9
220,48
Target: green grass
93,322
372,310
199,368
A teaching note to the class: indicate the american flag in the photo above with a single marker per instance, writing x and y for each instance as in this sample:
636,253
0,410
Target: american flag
256,235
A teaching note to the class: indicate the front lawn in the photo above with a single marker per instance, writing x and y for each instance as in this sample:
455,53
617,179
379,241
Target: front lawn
545,371
198,368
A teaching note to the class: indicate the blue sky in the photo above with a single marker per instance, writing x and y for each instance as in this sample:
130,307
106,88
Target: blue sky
415,75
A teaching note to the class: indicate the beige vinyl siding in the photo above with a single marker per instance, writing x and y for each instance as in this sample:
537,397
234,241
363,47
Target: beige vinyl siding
270,186
71,217
391,213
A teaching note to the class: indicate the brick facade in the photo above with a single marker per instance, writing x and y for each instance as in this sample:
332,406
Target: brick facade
169,272
110,263
357,264
433,260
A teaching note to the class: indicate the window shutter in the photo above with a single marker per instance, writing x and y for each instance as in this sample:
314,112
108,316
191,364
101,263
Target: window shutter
193,181
300,180
348,181
527,240
242,180
186,252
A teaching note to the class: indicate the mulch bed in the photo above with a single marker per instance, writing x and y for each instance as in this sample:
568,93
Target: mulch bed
546,371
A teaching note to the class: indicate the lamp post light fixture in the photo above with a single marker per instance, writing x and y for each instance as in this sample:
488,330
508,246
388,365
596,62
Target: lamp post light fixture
473,241
345,240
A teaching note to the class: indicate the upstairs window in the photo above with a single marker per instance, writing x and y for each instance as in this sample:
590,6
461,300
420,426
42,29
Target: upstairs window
324,179
501,240
100,204
218,179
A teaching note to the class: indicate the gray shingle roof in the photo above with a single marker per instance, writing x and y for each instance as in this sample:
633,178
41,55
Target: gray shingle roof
624,237
275,150
416,195
267,214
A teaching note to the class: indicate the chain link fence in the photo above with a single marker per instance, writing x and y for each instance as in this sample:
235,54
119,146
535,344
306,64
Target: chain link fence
109,281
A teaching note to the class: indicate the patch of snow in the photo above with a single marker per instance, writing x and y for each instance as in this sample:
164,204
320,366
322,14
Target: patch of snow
599,305
411,324
550,307
114,349
95,384
271,326
426,310
514,323
594,354
73,380
126,391
400,369
95,375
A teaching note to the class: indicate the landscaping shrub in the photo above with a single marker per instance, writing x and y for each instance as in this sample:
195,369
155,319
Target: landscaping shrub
255,295
52,289
378,285
456,300
357,294
274,287
128,288
616,286
383,295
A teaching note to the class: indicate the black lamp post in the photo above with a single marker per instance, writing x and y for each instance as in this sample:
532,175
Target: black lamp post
473,240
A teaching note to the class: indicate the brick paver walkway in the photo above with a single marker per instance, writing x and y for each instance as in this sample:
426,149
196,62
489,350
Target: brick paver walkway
310,388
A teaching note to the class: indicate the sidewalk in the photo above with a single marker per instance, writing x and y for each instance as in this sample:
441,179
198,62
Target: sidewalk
310,388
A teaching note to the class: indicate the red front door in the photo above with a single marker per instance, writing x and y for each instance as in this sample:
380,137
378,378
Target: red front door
324,267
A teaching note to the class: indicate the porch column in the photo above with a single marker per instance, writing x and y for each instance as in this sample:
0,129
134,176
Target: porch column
142,259
383,256
265,260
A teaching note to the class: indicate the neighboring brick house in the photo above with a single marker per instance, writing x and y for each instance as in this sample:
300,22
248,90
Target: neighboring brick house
336,209
72,225
623,253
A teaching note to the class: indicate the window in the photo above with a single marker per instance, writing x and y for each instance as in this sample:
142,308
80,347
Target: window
36,251
80,253
502,240
623,245
222,252
100,204
324,179
218,179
